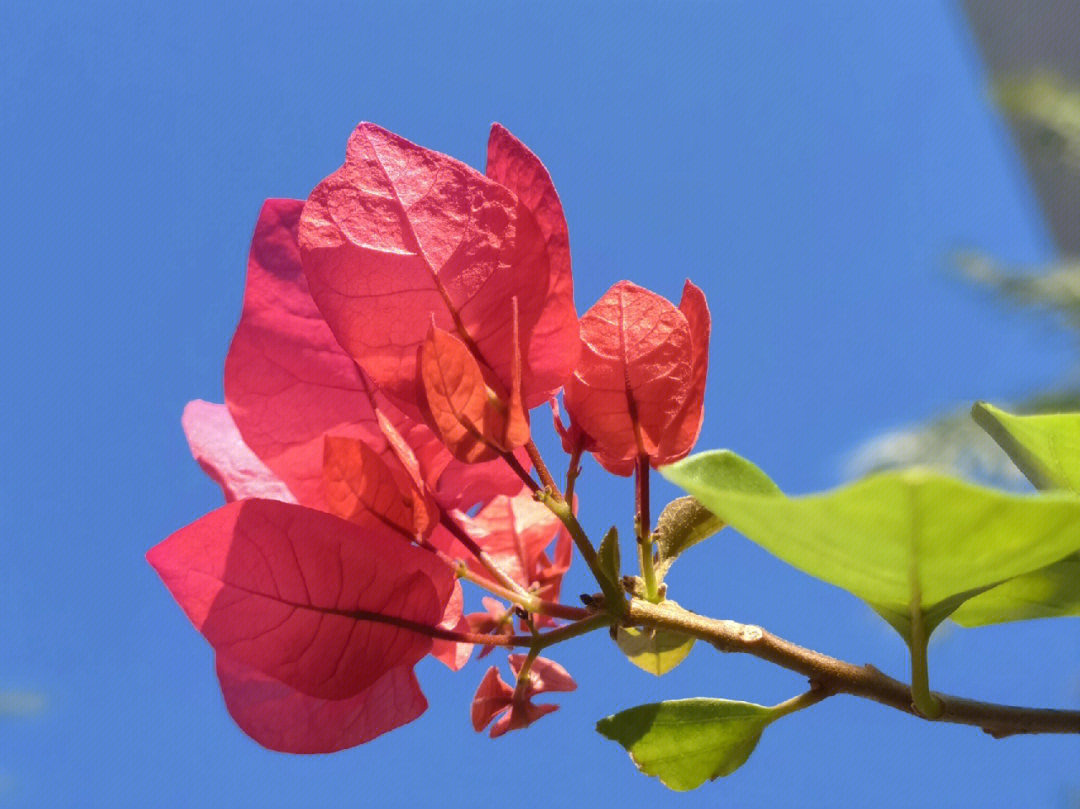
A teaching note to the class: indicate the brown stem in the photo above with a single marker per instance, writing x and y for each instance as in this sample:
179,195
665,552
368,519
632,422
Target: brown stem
462,536
541,469
837,676
520,471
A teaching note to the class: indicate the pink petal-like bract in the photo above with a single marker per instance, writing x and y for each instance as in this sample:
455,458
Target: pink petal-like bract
457,397
281,718
287,381
555,343
401,235
682,433
634,375
520,715
544,675
305,597
359,486
491,698
450,653
221,452
513,530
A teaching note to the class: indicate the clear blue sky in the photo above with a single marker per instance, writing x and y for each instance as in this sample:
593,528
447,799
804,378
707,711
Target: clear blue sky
809,165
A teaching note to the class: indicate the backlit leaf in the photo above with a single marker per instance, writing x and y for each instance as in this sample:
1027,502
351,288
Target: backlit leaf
913,543
687,742
1046,448
656,651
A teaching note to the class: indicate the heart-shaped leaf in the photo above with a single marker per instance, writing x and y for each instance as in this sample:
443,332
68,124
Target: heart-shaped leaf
687,742
913,544
656,651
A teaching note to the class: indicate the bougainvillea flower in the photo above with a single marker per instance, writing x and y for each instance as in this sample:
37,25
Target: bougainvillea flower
495,697
218,448
639,386
221,452
514,531
475,422
288,383
400,236
496,619
287,720
303,597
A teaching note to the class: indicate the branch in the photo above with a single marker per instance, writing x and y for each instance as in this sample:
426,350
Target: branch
838,677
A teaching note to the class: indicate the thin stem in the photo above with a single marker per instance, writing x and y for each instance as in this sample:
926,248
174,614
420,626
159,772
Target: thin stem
520,471
804,700
529,602
574,469
642,524
539,642
541,469
836,676
925,702
613,597
500,576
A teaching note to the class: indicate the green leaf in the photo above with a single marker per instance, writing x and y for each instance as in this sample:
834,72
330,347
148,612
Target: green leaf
1052,592
682,523
687,742
913,544
608,555
1045,448
656,651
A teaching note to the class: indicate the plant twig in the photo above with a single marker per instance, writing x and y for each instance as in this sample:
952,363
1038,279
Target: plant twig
837,676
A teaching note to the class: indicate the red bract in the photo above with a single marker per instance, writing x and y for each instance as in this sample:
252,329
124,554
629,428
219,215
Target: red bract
514,531
639,386
303,597
221,452
400,236
396,329
288,384
289,721
495,697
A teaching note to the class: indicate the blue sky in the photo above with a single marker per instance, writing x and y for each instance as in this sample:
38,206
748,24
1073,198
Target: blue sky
810,166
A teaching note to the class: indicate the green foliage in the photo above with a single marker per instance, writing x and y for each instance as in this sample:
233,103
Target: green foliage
608,555
683,522
687,742
656,651
1047,449
913,544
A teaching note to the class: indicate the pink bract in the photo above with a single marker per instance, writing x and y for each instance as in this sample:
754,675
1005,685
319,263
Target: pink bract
639,386
401,236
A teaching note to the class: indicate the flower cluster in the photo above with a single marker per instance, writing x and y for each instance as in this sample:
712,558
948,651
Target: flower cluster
375,448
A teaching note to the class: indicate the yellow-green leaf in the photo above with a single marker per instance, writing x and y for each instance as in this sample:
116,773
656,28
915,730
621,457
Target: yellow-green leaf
656,651
913,543
687,742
